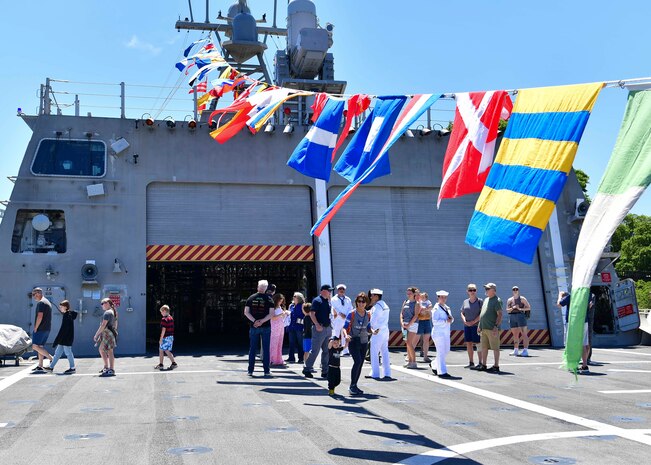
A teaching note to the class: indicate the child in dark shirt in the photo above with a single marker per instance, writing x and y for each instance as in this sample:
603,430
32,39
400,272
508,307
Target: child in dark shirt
307,331
334,364
166,341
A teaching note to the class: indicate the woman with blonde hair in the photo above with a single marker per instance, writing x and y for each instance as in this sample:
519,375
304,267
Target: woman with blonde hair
106,337
409,323
295,328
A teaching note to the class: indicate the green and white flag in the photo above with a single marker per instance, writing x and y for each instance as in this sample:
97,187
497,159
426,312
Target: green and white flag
627,176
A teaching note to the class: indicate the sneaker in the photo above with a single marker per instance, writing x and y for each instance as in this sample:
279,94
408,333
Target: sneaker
49,369
515,353
160,366
355,391
584,370
411,366
268,375
470,365
308,374
481,367
493,369
427,360
173,365
38,369
103,370
525,353
324,375
593,364
250,373
331,392
445,376
70,371
107,373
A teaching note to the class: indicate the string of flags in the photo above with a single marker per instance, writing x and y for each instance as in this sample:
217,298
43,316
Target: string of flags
518,188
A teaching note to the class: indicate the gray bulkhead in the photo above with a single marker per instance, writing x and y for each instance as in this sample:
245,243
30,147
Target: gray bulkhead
184,188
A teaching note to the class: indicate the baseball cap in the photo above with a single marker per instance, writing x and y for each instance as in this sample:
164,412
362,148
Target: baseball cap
490,286
515,288
326,287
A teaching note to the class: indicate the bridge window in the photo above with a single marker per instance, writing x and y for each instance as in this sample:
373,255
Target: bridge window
70,157
39,231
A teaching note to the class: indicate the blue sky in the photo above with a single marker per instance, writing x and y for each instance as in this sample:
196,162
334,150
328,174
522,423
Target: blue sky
380,47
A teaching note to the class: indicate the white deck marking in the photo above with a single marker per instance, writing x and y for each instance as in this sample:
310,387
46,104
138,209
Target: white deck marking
629,391
13,379
568,417
439,455
621,370
621,351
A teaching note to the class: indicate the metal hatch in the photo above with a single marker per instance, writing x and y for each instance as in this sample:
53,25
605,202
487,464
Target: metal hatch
625,303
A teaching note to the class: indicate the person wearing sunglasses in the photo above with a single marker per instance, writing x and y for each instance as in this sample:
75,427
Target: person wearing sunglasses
357,328
470,310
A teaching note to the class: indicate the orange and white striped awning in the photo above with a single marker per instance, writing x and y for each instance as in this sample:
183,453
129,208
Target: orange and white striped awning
230,253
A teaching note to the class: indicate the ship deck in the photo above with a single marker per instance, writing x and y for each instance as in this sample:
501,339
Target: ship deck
210,411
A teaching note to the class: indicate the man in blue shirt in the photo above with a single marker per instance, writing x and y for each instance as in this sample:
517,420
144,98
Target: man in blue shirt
321,332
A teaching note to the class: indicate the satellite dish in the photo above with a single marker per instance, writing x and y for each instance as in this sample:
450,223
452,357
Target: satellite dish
89,272
41,222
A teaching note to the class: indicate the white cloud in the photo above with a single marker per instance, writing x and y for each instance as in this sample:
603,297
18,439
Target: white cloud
138,44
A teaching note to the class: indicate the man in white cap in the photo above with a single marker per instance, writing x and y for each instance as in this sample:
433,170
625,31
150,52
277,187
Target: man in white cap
380,338
441,321
341,307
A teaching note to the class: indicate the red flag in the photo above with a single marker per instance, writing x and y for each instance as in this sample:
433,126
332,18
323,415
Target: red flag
320,100
230,129
472,143
357,105
201,87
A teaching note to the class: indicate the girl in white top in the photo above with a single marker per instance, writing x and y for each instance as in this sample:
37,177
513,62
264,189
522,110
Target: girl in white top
441,321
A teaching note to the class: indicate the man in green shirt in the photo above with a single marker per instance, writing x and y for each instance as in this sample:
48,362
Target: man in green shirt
489,328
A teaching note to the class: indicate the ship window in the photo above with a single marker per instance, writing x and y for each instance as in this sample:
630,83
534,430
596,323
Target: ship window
70,157
39,231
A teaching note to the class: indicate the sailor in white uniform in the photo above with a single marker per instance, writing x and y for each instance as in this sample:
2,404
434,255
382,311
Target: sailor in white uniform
380,338
341,307
441,321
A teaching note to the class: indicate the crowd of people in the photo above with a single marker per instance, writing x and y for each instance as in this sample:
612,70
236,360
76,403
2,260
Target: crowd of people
333,325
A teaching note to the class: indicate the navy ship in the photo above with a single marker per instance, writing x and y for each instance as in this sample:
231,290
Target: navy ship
147,211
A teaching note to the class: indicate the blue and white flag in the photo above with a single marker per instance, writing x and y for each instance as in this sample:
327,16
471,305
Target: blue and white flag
313,156
369,140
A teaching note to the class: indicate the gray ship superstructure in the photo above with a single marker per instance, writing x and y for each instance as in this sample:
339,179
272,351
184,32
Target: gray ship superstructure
147,214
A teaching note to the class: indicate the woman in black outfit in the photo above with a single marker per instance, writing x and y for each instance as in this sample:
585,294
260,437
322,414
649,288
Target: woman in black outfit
357,327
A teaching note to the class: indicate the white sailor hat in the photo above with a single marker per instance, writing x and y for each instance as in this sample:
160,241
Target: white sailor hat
376,291
341,286
442,293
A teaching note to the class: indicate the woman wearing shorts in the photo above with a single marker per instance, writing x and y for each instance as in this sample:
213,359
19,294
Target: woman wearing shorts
409,323
106,336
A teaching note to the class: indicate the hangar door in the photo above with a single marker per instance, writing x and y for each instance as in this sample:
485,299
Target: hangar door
209,244
394,237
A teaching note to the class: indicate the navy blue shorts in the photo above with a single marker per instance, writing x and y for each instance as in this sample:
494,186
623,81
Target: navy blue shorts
424,326
470,334
39,338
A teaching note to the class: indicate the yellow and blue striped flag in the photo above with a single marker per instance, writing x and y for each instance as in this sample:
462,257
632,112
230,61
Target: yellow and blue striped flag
530,169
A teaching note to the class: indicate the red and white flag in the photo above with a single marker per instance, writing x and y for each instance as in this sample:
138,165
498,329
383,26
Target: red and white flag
472,143
201,87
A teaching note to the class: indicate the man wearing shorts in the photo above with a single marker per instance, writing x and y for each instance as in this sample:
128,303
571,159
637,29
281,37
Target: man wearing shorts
470,310
489,328
42,326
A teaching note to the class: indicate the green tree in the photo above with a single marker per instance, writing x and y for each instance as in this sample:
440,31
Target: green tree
633,241
643,293
584,180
